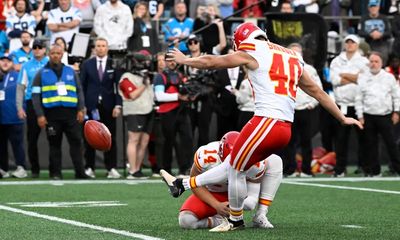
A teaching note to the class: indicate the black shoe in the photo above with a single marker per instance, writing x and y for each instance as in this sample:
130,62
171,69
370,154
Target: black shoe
136,175
237,224
174,184
81,176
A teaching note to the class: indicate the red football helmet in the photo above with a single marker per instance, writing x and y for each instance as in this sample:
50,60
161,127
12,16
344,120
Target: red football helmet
244,31
226,144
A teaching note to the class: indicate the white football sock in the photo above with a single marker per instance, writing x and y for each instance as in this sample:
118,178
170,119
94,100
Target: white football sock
237,193
215,175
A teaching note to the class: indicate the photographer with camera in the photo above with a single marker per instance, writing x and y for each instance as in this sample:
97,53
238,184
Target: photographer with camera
199,88
174,115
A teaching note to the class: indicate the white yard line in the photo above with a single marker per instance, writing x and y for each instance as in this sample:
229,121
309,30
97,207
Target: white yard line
78,224
77,182
342,187
134,182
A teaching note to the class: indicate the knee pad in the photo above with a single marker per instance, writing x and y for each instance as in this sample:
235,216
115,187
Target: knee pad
274,164
187,220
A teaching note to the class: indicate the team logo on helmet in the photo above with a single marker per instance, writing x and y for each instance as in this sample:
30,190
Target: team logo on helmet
226,144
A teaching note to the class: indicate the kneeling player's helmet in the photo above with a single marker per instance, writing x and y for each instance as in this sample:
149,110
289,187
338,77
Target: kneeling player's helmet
245,31
226,144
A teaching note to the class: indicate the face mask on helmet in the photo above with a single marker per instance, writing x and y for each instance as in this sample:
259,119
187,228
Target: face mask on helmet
246,31
226,144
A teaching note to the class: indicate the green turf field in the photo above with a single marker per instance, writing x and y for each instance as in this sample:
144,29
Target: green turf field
321,208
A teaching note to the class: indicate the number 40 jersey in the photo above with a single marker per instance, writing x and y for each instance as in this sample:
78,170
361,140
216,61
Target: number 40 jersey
274,82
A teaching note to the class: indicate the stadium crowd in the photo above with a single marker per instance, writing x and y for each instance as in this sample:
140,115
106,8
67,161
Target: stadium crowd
42,86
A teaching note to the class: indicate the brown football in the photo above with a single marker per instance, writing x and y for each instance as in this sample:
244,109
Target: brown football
97,135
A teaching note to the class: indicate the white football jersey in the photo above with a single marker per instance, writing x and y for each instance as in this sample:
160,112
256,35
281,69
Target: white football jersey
274,82
206,157
25,23
58,16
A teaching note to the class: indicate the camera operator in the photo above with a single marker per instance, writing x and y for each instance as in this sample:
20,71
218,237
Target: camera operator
201,108
174,116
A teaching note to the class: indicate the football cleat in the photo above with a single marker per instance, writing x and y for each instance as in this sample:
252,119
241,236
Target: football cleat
174,184
261,221
228,225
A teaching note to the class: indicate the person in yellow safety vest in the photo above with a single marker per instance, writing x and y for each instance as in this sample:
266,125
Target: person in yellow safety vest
57,98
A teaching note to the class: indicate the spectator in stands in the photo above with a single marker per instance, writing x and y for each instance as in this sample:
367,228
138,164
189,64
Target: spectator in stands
254,12
138,95
396,34
88,9
179,27
345,71
174,116
377,107
24,101
37,9
156,8
11,127
215,34
144,35
308,6
225,7
113,21
302,132
375,28
4,44
245,100
18,22
23,54
64,21
333,8
99,83
194,6
58,114
61,42
286,7
226,107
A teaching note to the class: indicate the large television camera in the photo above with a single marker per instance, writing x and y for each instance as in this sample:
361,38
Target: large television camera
138,63
199,85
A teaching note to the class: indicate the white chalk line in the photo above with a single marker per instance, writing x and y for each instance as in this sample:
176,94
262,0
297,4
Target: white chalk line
342,187
78,224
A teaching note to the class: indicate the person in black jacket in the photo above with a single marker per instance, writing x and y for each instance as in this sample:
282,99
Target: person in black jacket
144,35
58,101
99,83
227,107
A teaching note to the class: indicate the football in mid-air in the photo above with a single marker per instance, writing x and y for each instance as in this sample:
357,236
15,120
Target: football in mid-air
97,135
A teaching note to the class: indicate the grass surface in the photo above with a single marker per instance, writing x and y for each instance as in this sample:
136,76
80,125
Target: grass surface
298,212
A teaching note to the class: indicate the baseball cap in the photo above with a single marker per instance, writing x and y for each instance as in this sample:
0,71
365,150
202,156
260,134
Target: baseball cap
193,37
353,38
373,3
38,43
6,56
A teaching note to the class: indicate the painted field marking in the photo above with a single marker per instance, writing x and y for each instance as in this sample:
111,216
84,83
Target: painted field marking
342,187
69,204
351,226
135,182
78,224
76,182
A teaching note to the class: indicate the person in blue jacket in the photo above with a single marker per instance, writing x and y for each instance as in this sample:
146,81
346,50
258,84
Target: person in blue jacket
11,127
